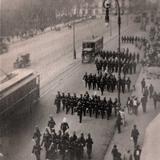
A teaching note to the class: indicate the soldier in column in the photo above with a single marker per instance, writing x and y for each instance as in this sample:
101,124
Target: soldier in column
51,122
119,122
89,144
82,142
63,99
128,82
37,135
79,112
85,78
57,102
37,151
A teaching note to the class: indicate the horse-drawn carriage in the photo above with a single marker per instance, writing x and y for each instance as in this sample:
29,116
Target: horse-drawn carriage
22,61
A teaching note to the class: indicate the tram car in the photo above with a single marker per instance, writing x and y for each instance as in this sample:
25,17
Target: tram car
19,91
90,48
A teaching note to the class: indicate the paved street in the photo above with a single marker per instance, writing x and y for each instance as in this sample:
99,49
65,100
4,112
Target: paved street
20,140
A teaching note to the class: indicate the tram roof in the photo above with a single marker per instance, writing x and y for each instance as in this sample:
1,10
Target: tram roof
19,75
93,40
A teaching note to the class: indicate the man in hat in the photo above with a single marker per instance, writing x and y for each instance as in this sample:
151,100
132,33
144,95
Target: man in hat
64,125
114,152
89,144
51,122
135,135
36,151
137,153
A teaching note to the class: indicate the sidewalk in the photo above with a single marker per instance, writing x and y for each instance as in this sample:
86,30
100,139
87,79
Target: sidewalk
122,140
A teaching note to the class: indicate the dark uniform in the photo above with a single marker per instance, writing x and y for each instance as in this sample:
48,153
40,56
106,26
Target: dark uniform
37,151
89,144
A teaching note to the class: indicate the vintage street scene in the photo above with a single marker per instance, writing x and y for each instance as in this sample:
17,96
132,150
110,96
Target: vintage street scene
79,79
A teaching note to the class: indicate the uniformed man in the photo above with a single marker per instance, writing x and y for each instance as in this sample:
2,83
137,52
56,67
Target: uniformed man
37,135
119,122
64,125
89,144
82,142
128,82
85,78
79,112
57,102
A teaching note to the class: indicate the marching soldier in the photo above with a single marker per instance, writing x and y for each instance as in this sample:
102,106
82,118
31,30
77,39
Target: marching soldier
85,78
36,151
128,82
64,125
37,135
89,144
51,122
82,142
57,102
79,112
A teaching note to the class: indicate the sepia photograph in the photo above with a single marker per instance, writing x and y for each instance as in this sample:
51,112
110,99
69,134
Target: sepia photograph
79,79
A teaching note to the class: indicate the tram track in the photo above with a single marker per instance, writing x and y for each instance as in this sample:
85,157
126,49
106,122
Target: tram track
72,68
55,82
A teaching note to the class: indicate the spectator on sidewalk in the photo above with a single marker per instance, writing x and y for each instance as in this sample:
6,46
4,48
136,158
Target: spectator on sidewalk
151,90
143,84
137,153
128,155
129,105
146,93
155,100
144,103
135,135
115,152
123,116
135,105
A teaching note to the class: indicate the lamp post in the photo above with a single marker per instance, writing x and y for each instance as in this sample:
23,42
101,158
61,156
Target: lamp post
74,47
106,5
119,50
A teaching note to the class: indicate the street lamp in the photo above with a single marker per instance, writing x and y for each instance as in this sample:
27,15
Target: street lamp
106,5
74,47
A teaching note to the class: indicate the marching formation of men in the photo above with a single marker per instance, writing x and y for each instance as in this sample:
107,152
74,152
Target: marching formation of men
60,143
132,39
109,60
86,104
106,81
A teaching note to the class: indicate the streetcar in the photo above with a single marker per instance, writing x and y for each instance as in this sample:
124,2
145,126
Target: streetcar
19,91
90,48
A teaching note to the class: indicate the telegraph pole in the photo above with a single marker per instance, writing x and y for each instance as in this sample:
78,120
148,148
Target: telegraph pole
74,47
106,5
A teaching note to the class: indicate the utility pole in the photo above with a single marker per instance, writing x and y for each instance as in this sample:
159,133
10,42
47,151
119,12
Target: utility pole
74,47
106,5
